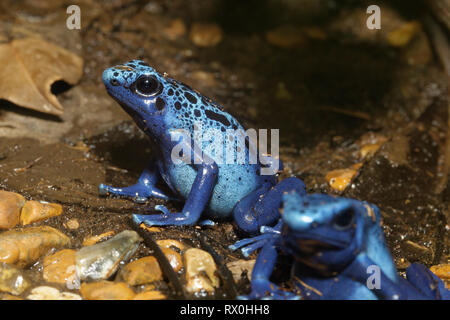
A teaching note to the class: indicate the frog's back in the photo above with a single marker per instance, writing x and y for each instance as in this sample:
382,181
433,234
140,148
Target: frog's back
221,138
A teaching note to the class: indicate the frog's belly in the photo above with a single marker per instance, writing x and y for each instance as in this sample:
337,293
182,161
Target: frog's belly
234,182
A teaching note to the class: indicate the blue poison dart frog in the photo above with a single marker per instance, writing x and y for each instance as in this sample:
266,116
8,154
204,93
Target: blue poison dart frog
339,252
170,113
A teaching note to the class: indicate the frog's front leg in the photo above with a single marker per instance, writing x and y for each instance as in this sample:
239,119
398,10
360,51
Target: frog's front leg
199,196
142,190
262,288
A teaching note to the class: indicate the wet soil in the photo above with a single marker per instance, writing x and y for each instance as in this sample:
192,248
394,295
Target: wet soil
338,90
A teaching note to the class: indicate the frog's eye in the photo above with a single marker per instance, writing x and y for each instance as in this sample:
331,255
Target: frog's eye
147,86
344,219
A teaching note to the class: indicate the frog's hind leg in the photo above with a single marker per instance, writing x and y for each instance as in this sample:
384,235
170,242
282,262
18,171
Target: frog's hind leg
427,282
264,210
142,190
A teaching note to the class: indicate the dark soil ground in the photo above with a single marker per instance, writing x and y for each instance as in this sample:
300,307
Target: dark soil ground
324,96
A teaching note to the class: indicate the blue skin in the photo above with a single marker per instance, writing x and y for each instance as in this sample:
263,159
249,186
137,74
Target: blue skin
334,241
161,106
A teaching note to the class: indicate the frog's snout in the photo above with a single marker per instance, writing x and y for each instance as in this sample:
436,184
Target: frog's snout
109,78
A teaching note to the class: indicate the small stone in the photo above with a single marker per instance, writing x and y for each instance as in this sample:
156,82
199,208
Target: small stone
174,258
341,178
106,290
206,34
50,293
72,224
101,260
370,143
315,33
23,247
418,52
150,295
168,243
34,211
175,30
401,36
443,272
12,280
10,205
149,229
238,267
60,267
200,271
282,92
142,271
286,37
94,239
6,296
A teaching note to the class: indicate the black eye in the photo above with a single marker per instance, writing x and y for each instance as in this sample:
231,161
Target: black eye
344,220
147,86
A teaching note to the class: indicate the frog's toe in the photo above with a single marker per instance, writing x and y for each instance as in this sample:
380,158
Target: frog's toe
139,199
248,245
165,219
103,189
162,208
138,219
207,222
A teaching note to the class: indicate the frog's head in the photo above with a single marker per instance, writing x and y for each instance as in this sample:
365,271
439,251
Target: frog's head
140,90
324,232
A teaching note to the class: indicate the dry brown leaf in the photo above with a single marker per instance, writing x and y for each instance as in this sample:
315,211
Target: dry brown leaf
30,66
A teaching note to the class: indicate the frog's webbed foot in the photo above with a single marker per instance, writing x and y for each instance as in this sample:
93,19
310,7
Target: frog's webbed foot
142,190
138,192
249,245
165,219
265,290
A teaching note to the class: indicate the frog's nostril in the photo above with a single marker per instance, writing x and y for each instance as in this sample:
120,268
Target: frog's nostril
114,82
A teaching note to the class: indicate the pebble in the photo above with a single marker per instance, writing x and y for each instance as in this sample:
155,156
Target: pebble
12,280
174,258
369,144
443,272
149,229
142,271
200,271
206,34
418,52
10,205
34,211
286,37
23,247
150,295
175,30
6,296
94,239
72,224
168,243
60,267
403,35
341,178
50,293
101,260
238,267
106,290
